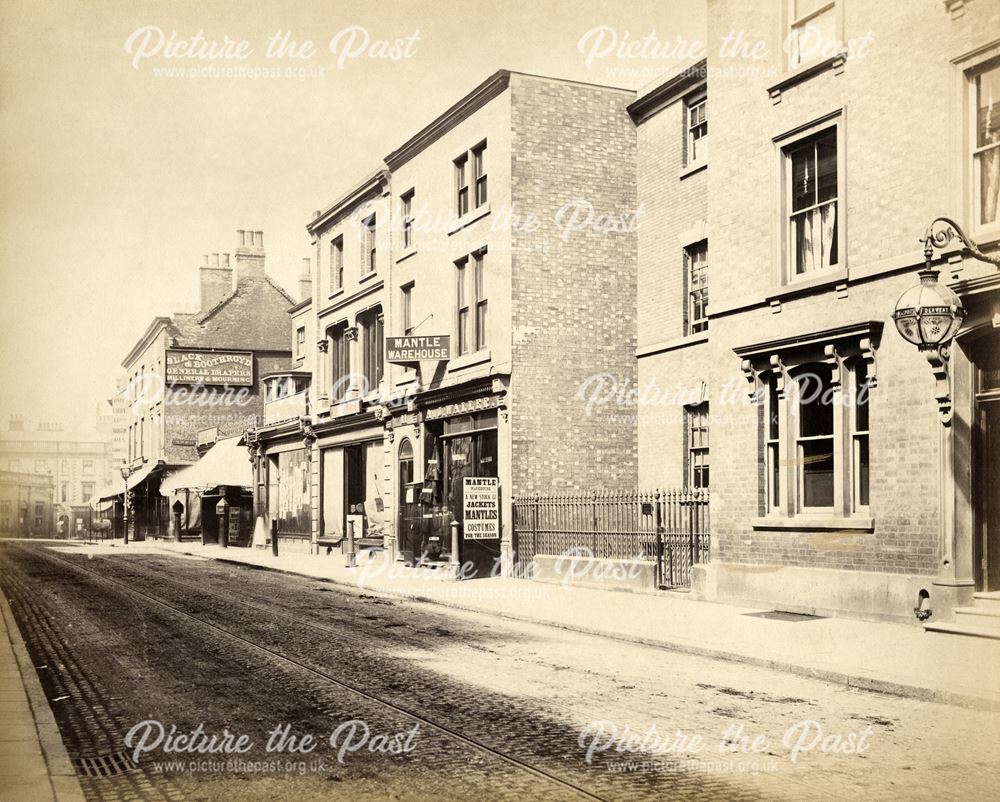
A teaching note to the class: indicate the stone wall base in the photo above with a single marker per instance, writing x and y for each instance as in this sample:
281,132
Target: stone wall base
820,591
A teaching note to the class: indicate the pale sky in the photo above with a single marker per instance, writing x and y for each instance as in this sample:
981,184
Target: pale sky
115,180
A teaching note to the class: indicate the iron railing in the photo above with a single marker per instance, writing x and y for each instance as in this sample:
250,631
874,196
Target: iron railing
670,528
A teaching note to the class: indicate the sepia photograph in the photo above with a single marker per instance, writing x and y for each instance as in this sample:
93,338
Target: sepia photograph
452,400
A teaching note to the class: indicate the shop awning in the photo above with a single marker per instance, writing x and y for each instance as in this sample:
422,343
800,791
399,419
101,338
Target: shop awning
106,493
138,477
225,463
99,505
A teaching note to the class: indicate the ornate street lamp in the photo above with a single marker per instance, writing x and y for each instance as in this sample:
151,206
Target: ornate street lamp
126,472
930,314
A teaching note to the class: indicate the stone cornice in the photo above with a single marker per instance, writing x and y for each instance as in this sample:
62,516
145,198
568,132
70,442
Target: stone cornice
371,186
670,90
471,103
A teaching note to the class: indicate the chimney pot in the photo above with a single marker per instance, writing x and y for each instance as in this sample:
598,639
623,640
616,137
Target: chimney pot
204,257
225,260
215,260
306,266
259,239
242,235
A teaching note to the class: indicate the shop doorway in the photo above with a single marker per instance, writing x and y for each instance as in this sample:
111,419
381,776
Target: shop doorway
986,464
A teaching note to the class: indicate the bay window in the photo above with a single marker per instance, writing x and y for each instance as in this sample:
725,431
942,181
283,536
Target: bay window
814,394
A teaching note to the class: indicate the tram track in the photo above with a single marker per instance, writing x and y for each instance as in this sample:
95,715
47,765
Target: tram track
276,655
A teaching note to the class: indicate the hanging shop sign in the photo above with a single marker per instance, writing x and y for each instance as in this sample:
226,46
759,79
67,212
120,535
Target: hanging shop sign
216,367
435,347
481,502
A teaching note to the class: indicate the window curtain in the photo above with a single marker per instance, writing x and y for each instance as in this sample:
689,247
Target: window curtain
990,184
816,234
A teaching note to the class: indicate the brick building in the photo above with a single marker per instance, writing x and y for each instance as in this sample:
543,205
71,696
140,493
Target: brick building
190,373
803,230
487,237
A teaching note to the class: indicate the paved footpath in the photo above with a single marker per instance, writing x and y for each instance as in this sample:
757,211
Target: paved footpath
890,657
34,765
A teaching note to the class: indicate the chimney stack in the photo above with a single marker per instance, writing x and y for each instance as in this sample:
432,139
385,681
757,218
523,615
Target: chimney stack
216,280
305,279
249,255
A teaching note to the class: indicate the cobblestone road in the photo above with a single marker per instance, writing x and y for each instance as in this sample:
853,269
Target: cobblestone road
502,710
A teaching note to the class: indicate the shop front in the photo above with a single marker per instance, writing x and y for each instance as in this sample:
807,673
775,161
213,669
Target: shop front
352,474
448,475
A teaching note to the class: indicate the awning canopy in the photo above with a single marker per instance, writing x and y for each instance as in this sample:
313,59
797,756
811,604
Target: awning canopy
138,477
99,505
108,491
225,463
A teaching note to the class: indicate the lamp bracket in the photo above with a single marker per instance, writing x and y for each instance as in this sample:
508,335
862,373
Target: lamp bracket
938,357
943,230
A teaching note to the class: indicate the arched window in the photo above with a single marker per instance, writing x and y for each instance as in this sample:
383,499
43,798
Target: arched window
405,464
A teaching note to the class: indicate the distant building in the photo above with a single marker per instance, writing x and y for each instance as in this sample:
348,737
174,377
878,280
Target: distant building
76,463
196,372
26,504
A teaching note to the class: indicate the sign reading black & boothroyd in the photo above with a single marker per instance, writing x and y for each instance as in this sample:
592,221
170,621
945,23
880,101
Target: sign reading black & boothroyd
209,367
418,349
481,500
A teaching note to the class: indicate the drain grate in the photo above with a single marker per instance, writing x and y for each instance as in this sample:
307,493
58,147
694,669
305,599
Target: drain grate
104,765
785,615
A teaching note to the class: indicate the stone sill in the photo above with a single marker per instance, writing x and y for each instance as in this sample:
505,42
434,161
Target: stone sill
813,522
368,276
691,169
406,254
672,345
468,218
468,360
806,71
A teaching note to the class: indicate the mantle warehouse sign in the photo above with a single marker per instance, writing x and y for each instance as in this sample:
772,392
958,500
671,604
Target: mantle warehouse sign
417,349
481,499
217,367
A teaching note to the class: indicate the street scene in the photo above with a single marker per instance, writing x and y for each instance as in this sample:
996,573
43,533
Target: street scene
453,401
475,705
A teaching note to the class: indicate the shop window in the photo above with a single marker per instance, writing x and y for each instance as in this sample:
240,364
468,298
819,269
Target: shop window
405,465
87,491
